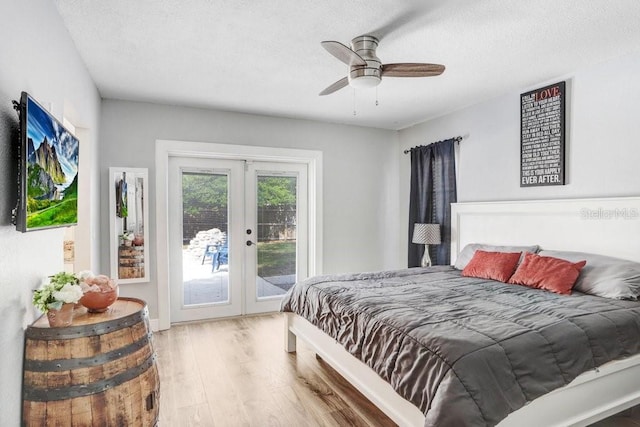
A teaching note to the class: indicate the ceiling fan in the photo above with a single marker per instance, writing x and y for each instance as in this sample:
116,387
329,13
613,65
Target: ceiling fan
365,68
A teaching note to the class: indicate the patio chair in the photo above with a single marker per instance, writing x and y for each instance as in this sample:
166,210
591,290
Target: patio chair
219,255
221,258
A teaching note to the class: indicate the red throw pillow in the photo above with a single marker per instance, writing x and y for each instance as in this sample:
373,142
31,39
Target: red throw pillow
543,272
492,265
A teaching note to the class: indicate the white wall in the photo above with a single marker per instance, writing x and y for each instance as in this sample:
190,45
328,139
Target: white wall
602,150
359,178
37,56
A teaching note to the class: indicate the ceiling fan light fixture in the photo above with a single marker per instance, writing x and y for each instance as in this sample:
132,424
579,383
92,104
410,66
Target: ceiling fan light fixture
365,68
364,77
364,82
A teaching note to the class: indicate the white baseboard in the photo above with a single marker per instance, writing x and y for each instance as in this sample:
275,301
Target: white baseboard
154,324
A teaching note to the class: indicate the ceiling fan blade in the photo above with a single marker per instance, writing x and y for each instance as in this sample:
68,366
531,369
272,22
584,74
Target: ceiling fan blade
412,70
335,86
343,53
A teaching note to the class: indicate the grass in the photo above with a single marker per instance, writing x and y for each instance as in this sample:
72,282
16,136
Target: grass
276,258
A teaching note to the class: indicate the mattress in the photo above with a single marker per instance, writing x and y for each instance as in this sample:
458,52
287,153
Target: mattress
466,351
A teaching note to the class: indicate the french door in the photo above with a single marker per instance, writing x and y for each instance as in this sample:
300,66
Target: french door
237,235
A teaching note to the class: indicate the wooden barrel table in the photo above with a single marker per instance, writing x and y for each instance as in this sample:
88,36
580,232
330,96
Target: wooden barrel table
100,371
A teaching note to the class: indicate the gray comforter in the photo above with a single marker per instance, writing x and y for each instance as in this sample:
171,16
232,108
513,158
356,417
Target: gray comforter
466,351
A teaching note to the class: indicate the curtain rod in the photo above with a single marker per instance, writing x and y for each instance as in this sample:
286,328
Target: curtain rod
457,139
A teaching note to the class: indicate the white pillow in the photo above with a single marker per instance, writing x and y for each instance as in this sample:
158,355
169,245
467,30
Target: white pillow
467,252
604,276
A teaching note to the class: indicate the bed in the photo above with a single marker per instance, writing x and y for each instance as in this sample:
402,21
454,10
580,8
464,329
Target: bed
577,390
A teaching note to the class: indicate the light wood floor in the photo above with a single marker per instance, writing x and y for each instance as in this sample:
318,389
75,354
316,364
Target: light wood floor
236,373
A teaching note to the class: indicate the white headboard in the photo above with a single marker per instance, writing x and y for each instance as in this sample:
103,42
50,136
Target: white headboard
608,226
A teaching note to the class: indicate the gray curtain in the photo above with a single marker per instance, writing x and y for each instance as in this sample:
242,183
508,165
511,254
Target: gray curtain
433,189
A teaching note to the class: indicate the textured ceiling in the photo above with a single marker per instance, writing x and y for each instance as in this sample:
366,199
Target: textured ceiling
265,57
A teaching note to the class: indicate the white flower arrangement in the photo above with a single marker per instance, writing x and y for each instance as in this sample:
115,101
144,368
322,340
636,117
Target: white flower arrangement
127,238
127,235
61,288
84,275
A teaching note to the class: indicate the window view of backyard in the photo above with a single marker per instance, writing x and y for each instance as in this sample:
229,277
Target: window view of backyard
276,234
205,237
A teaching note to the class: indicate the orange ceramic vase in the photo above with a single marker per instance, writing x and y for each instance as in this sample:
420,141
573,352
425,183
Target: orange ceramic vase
62,317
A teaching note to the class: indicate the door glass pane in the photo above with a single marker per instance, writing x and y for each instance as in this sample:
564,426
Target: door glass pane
276,237
205,252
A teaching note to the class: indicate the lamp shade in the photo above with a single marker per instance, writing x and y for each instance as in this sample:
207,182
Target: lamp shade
426,234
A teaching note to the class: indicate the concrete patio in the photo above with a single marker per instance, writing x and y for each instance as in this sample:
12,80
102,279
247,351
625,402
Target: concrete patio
203,286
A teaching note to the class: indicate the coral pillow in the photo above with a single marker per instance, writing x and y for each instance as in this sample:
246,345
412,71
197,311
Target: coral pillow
492,265
553,274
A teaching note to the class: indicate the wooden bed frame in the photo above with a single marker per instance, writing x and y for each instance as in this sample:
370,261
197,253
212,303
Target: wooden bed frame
608,226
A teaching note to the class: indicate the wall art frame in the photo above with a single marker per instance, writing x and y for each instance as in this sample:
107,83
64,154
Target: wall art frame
542,136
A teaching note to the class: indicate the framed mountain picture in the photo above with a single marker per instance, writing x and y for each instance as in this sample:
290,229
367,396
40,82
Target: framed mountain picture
48,168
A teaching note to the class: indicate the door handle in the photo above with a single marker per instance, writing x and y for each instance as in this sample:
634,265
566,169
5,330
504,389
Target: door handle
249,243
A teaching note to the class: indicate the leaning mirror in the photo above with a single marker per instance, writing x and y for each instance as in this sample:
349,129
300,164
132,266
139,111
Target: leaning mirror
128,219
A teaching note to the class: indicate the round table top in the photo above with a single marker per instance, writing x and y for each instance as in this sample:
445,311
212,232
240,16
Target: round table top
121,308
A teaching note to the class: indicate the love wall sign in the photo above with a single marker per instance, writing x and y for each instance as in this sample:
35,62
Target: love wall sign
542,136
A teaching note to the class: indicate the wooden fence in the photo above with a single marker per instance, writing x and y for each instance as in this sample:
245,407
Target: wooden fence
274,222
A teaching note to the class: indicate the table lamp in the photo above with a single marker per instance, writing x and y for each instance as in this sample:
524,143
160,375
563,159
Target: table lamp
426,234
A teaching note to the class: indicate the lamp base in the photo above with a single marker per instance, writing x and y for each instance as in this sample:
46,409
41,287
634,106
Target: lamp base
426,259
